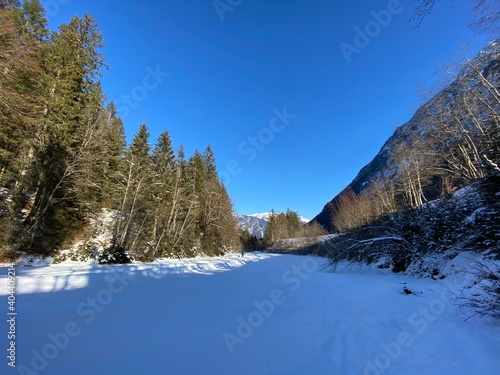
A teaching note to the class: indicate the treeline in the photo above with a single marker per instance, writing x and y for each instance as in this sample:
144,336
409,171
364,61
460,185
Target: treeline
455,141
283,226
64,156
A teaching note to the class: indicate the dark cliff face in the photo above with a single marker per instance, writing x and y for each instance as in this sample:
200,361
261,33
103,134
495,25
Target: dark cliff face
380,163
487,62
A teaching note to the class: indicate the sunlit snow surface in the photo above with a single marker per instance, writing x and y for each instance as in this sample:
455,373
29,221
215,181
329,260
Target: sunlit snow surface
260,314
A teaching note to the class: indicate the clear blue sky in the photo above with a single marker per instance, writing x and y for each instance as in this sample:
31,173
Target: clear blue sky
228,79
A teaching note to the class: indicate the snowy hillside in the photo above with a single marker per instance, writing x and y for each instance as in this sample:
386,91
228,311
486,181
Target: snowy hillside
256,224
260,314
386,166
253,224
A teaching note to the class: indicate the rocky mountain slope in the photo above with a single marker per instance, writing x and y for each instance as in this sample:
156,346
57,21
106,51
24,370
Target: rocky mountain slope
384,165
256,224
253,224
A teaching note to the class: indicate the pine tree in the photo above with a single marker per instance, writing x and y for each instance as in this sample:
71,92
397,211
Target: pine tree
209,161
282,226
181,160
293,223
113,164
197,173
270,235
163,154
33,21
133,228
73,97
19,108
185,208
140,148
61,146
216,221
10,4
249,242
165,196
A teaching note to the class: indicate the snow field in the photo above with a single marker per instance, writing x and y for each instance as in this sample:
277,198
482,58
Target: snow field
260,314
263,309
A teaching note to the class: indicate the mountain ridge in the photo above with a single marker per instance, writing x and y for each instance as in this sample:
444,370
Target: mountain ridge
256,224
487,62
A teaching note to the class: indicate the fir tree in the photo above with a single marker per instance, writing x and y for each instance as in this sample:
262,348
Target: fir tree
113,164
163,154
133,229
61,146
270,235
33,21
197,172
139,149
185,208
10,4
209,161
73,98
293,223
20,95
165,196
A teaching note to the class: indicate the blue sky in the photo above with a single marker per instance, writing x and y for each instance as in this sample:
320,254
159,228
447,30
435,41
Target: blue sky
268,86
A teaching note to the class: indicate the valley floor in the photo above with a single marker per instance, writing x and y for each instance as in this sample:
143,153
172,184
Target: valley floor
260,314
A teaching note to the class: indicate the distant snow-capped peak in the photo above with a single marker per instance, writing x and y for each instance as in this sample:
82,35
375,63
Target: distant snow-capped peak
256,224
265,216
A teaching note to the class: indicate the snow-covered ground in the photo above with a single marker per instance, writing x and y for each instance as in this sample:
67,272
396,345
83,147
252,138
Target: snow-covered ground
261,314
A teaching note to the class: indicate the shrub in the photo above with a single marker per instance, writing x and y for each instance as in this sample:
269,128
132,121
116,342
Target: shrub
114,255
486,299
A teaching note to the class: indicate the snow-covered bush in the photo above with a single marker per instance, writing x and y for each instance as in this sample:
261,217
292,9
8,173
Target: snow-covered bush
97,242
468,220
114,255
370,245
484,297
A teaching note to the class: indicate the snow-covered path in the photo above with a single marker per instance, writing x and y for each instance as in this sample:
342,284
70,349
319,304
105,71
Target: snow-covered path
262,314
